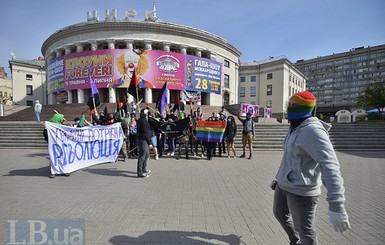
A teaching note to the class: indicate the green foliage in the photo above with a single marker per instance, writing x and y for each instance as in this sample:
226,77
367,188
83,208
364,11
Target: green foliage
373,96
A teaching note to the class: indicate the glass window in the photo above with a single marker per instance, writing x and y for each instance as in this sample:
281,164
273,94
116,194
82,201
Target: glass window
243,79
253,91
242,91
253,78
269,89
269,104
28,77
227,63
226,81
29,89
269,75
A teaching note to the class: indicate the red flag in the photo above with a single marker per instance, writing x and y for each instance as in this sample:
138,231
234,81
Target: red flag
132,88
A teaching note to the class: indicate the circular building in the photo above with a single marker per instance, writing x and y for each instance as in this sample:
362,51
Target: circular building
125,57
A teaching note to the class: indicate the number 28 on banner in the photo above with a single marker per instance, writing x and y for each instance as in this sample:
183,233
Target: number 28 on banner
203,84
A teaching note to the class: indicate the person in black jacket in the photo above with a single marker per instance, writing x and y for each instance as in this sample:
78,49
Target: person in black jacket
144,144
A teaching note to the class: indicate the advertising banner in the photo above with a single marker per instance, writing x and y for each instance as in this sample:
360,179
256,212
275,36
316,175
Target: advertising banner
203,74
253,109
71,149
113,68
55,75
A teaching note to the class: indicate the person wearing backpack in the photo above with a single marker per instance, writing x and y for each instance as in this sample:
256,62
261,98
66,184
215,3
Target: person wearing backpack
38,108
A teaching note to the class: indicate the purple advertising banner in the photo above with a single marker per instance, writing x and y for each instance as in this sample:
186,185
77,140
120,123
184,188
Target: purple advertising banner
203,75
55,75
248,108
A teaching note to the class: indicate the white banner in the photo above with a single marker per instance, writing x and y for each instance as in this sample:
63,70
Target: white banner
71,149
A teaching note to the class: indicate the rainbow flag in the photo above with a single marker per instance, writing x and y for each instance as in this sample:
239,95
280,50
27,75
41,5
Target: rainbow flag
210,131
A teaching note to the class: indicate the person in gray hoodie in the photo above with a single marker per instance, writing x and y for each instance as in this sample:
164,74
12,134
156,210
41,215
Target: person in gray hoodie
308,161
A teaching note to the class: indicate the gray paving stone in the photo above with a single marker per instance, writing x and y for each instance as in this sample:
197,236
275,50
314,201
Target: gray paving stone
184,202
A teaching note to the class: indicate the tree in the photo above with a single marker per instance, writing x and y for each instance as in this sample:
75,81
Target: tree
373,96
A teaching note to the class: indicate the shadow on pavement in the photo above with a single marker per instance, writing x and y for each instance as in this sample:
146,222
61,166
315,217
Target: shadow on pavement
176,237
39,172
365,154
111,172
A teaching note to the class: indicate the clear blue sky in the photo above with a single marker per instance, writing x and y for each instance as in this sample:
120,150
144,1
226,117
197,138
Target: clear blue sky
297,29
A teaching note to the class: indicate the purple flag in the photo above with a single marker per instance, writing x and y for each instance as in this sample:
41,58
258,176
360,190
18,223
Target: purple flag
94,90
163,98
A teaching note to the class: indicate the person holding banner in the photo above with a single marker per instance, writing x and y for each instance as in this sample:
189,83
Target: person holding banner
144,144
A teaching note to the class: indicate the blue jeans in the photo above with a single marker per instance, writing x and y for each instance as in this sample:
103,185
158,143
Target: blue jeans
37,116
296,214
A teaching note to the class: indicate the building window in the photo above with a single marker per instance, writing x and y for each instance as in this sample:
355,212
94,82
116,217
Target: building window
226,81
227,63
29,90
242,91
253,91
269,104
28,77
269,89
243,79
253,78
269,75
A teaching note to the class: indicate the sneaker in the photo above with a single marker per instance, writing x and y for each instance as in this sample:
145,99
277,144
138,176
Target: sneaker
202,155
172,154
51,176
126,159
228,156
147,171
194,155
143,175
156,157
235,156
168,153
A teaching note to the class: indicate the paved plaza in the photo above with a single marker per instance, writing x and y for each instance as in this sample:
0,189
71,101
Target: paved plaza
223,201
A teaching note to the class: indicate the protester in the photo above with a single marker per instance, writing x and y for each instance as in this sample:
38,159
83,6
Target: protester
38,108
57,118
247,134
230,132
154,140
309,160
125,122
144,144
133,136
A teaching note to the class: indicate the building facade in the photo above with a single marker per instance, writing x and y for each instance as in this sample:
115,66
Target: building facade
270,83
338,79
207,63
28,81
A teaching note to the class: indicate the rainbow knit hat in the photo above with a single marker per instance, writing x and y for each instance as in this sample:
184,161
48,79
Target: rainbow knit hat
301,105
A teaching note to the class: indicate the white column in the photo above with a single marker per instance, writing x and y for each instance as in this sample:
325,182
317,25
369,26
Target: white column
67,50
79,47
58,52
70,97
51,99
148,95
148,44
111,95
183,49
129,43
94,45
80,96
198,52
111,43
166,46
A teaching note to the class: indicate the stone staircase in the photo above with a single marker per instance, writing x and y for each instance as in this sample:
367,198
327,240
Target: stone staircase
269,137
